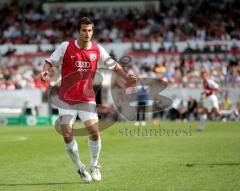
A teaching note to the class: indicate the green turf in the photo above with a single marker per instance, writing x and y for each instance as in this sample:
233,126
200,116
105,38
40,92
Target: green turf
209,160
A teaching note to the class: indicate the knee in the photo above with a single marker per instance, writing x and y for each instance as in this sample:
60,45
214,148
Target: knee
94,136
68,137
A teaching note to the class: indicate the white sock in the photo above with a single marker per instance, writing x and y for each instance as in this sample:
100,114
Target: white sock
202,121
94,148
72,151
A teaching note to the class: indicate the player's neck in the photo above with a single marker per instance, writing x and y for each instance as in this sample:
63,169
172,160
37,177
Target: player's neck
205,79
83,44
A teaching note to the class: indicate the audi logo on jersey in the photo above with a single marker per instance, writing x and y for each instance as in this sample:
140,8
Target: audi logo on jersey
82,65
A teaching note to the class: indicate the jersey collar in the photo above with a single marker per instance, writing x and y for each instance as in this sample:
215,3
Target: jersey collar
76,44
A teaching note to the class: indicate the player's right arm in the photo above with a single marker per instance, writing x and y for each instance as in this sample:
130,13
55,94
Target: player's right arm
45,71
213,86
55,58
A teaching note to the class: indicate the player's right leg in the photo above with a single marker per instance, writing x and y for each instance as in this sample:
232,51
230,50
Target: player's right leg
208,105
137,123
71,146
215,111
203,119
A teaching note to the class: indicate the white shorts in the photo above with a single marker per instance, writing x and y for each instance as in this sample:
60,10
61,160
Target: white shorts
211,102
83,114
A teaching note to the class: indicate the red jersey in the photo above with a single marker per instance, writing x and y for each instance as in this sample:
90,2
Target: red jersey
209,87
78,70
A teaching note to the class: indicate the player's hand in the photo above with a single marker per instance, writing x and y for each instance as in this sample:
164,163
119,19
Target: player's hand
206,91
44,76
131,79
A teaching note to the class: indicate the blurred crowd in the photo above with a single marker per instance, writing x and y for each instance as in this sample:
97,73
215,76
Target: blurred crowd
183,71
190,109
173,22
21,73
182,21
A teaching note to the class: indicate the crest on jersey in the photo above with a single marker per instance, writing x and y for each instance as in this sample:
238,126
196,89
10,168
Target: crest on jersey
93,57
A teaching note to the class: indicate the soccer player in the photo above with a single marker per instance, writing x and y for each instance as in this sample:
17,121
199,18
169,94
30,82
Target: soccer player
79,60
210,105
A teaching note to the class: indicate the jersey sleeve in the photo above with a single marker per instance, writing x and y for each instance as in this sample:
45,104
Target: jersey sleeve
57,56
105,60
213,84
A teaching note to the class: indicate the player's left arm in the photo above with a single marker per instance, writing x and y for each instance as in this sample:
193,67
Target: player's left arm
130,78
107,61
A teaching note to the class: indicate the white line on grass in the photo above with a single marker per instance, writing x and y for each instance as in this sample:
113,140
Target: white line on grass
12,138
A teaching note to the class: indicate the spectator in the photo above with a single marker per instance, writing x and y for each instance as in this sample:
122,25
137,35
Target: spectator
161,47
158,108
173,47
226,108
191,108
8,83
172,23
174,111
188,49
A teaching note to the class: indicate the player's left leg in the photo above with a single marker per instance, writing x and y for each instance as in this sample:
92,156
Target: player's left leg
90,119
215,111
207,106
143,110
203,119
94,144
211,106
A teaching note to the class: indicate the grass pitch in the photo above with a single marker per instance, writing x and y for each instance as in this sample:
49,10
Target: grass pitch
34,159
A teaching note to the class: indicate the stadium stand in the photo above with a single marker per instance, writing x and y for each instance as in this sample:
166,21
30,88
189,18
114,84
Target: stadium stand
170,43
182,21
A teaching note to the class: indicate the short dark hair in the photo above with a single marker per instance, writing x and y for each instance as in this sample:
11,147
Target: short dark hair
83,21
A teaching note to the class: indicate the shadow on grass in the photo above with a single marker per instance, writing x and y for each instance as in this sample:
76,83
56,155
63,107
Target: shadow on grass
213,164
41,184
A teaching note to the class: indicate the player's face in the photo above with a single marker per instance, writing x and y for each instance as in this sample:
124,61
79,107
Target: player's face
86,32
204,76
